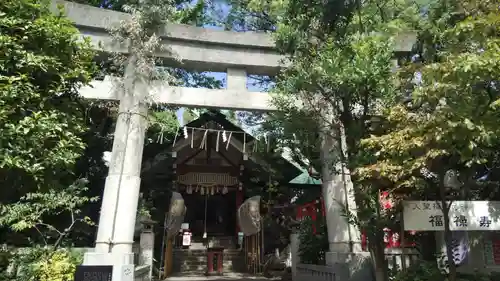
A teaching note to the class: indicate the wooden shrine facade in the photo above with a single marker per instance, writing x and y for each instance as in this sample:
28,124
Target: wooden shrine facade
215,169
210,182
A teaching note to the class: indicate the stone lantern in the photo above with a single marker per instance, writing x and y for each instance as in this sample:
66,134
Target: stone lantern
147,224
146,244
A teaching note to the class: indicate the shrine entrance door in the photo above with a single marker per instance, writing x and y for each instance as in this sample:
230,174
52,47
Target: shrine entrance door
213,214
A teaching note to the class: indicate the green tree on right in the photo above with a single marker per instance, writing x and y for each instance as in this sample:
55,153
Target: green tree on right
436,115
448,122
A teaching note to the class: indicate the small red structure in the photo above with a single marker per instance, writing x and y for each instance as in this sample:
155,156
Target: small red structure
215,256
392,239
311,210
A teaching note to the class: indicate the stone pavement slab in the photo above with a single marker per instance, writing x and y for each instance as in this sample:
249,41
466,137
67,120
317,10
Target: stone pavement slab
225,277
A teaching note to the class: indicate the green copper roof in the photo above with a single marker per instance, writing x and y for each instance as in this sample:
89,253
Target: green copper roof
305,178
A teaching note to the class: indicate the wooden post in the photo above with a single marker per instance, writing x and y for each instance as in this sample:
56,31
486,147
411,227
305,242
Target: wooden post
262,252
210,260
239,201
220,257
168,266
403,244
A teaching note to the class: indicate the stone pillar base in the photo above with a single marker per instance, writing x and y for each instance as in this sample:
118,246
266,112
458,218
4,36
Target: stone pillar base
123,264
352,266
332,258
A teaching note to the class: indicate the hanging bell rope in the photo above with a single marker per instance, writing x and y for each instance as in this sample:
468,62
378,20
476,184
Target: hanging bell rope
192,138
176,135
203,144
217,143
205,221
229,140
244,142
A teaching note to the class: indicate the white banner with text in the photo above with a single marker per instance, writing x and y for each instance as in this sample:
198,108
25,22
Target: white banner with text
463,216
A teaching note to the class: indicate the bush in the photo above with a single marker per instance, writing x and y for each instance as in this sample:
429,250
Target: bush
312,246
40,264
422,271
59,267
427,271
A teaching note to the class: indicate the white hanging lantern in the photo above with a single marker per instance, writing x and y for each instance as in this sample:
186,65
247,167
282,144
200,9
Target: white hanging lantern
395,238
106,157
224,190
202,191
185,131
386,235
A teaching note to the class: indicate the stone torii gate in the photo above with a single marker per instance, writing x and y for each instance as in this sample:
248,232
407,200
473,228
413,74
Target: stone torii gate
238,54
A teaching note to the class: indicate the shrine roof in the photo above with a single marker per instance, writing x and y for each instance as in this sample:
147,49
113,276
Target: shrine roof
293,174
220,119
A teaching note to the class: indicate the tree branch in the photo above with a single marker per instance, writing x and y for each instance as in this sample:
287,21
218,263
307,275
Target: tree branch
41,234
66,231
50,227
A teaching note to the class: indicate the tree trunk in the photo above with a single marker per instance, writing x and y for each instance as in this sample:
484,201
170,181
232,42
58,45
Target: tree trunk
379,262
448,239
428,246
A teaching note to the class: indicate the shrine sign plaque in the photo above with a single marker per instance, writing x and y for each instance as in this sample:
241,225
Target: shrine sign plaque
463,215
94,273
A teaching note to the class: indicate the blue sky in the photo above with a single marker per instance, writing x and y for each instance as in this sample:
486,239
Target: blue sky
223,9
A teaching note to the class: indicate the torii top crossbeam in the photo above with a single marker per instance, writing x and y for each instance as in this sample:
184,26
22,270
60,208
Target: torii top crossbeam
201,49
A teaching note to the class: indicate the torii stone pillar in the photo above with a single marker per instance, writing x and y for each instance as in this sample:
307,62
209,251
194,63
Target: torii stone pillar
115,234
338,195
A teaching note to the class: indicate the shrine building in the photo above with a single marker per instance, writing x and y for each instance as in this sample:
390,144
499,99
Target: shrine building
215,167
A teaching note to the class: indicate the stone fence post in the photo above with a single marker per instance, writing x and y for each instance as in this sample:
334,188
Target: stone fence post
146,245
294,249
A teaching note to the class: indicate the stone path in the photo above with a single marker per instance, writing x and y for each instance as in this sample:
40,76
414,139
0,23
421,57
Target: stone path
225,277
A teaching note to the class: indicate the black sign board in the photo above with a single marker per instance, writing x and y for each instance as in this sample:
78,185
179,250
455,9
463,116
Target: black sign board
93,273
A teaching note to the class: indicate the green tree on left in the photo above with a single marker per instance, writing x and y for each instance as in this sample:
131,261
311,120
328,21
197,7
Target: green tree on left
43,63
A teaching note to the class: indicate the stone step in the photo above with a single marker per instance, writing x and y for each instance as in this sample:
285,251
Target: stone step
204,265
229,266
228,242
194,260
201,275
199,264
195,251
203,252
189,254
226,255
203,269
205,262
202,258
